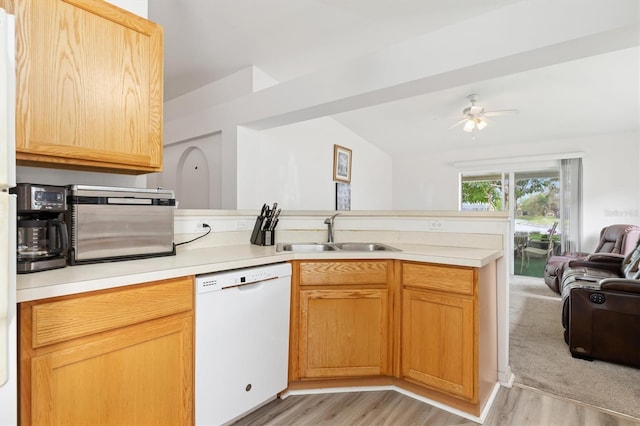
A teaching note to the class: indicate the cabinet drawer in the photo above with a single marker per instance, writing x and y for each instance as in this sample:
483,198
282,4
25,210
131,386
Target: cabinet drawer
71,317
452,279
345,272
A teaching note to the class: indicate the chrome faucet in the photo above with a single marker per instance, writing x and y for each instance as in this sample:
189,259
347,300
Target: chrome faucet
329,222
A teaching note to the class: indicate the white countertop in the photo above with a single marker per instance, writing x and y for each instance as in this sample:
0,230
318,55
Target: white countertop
82,278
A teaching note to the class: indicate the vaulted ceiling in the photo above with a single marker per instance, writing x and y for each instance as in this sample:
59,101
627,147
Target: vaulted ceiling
207,40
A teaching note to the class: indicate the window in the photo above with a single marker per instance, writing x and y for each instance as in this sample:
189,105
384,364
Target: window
482,192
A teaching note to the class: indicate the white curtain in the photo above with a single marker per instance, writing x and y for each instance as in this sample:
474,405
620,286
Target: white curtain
571,204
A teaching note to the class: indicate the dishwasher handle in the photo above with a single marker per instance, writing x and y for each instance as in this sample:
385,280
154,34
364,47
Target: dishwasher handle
251,286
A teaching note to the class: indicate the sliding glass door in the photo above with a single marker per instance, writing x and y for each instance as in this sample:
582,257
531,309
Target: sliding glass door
533,200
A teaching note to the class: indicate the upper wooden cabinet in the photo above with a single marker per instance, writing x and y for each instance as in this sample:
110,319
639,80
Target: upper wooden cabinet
89,87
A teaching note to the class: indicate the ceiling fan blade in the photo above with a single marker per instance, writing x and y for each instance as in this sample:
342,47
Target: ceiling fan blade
458,123
500,112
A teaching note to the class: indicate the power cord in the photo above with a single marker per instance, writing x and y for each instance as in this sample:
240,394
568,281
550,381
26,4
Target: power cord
204,225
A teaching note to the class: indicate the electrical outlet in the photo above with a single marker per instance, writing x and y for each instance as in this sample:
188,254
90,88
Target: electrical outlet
435,225
242,225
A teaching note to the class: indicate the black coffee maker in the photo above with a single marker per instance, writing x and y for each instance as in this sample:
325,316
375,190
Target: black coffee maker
42,233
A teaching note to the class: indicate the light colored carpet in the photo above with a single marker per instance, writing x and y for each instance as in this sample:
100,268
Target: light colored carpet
541,359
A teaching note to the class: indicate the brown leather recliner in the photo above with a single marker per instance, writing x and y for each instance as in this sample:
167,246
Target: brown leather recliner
616,239
601,307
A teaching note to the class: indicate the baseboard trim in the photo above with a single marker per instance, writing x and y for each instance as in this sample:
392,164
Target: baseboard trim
477,419
489,404
507,378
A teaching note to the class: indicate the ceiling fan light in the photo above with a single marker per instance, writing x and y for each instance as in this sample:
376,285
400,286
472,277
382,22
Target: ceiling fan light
481,123
469,125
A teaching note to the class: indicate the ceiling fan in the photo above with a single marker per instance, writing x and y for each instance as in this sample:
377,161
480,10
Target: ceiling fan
474,116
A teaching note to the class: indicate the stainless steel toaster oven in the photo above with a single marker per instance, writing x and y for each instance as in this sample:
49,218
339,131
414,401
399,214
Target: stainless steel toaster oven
110,223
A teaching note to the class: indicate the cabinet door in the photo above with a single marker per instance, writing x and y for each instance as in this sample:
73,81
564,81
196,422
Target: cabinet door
343,332
117,356
89,86
438,342
137,375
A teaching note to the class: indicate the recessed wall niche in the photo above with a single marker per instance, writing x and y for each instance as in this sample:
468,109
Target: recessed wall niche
192,169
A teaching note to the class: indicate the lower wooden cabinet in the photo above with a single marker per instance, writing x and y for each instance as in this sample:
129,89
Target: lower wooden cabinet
438,347
449,332
343,333
122,356
340,319
428,328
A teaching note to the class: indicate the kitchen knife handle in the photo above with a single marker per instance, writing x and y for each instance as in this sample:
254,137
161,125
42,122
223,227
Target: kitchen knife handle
263,211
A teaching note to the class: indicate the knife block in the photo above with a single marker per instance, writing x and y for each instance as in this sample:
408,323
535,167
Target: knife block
265,238
262,237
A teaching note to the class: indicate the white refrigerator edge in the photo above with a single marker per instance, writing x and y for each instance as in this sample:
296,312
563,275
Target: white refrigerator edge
8,320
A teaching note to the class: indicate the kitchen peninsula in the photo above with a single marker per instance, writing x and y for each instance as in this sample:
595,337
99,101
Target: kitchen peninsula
450,262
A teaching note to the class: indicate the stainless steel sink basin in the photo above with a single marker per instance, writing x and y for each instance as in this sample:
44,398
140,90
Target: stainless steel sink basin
304,247
364,247
319,247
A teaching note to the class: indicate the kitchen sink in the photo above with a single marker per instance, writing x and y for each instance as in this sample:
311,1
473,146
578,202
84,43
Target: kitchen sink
364,247
304,247
315,247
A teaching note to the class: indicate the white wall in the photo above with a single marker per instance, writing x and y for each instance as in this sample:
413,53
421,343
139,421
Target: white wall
139,7
611,183
293,165
610,175
67,177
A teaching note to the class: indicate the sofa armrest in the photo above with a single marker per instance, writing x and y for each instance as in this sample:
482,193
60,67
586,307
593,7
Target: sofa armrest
605,266
606,261
621,284
606,258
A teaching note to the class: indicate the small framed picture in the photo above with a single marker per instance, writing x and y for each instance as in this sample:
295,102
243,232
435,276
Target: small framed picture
341,164
343,196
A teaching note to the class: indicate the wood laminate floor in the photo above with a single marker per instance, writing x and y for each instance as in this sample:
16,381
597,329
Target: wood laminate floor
518,406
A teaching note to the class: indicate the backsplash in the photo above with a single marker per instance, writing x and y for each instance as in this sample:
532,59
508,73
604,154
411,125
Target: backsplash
234,227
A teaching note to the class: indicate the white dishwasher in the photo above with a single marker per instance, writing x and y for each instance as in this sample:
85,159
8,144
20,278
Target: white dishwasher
242,340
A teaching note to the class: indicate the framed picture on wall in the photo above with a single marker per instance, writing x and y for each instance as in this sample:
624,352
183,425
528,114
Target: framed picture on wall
341,164
343,196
